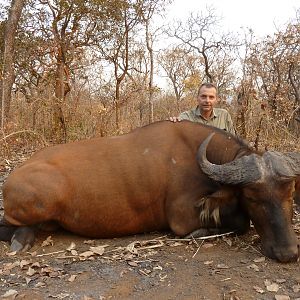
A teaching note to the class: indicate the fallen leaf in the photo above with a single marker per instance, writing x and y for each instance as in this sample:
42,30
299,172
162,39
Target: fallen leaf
222,266
207,245
99,249
24,263
227,241
253,267
47,242
86,254
176,244
89,242
282,297
132,263
30,271
71,247
258,289
271,287
131,248
296,288
158,268
40,284
13,253
74,252
27,280
72,278
36,265
87,298
60,296
208,262
259,259
280,280
10,293
162,277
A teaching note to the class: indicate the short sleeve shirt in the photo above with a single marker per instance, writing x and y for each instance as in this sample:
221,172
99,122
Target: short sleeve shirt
220,118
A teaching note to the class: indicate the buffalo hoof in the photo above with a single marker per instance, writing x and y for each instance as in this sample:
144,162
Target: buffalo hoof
22,240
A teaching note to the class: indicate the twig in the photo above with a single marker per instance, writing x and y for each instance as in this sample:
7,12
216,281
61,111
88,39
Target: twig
50,253
201,238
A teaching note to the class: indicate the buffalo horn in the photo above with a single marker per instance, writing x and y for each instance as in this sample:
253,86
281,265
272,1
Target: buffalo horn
243,170
284,165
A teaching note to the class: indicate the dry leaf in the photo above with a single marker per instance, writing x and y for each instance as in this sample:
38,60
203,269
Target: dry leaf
72,278
13,253
258,289
208,262
158,268
222,266
86,254
296,288
24,263
89,242
74,252
280,280
271,287
227,241
60,296
254,267
131,248
47,242
40,284
259,259
99,249
132,263
207,245
36,265
10,293
30,271
282,297
71,247
162,277
27,280
176,244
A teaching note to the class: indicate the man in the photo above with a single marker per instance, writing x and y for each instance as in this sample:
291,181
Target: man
205,112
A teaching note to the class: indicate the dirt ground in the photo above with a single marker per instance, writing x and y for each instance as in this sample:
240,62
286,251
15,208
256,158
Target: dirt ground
154,265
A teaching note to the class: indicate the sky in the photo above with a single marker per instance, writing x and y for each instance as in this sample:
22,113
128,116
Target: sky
263,16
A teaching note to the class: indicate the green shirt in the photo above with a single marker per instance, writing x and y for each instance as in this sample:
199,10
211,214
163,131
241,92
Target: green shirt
220,118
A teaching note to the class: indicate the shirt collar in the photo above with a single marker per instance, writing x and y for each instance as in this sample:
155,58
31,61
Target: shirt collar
197,112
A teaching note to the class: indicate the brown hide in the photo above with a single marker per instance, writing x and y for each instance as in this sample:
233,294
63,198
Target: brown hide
106,187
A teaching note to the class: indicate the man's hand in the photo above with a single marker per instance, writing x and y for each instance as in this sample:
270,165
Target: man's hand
174,119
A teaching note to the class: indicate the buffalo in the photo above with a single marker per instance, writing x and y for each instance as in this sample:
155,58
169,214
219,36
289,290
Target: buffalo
191,178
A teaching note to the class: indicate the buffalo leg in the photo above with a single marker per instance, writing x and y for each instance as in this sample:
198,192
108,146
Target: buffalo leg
238,223
21,238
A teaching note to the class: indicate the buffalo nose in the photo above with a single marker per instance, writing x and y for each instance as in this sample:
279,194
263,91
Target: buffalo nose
290,254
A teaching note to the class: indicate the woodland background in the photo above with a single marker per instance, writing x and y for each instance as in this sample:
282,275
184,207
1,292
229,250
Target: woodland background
76,69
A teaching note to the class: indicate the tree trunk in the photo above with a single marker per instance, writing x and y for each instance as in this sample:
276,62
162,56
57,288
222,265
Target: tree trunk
8,74
117,101
150,50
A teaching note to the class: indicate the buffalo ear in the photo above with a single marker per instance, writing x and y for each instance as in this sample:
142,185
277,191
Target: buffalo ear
219,197
210,204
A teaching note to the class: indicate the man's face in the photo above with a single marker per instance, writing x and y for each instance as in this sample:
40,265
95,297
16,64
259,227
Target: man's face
207,99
